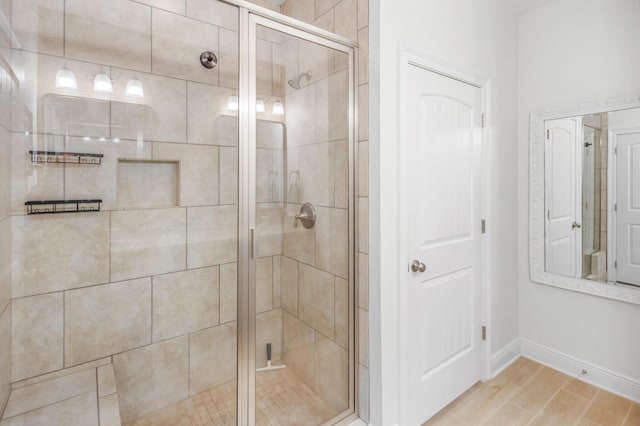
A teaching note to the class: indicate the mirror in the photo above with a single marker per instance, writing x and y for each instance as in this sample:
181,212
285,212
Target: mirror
585,199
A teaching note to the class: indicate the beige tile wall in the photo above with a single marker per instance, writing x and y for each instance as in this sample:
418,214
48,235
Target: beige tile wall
116,258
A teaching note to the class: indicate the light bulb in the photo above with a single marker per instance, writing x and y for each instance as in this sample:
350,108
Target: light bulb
278,108
65,79
135,89
260,105
233,103
102,83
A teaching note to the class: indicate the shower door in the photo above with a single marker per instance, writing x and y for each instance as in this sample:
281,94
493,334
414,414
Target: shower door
300,220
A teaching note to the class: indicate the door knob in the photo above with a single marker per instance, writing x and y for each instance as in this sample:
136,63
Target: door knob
417,266
575,225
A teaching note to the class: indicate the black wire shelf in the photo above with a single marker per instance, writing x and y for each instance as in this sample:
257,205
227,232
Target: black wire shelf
61,157
62,206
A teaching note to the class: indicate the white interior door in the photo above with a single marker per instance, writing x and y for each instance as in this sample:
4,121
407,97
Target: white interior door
628,214
562,197
442,351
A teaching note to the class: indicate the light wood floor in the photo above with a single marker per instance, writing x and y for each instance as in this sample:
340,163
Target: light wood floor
528,393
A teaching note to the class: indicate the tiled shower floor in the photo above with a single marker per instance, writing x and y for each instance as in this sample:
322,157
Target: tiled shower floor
282,399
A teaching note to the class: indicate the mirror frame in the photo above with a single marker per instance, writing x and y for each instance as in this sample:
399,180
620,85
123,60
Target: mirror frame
536,203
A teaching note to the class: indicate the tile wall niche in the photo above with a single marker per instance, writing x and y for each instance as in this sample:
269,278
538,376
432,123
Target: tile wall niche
307,265
149,281
7,87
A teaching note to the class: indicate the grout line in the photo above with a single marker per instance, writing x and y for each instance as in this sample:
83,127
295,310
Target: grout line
151,309
47,405
522,408
120,282
126,139
98,396
64,328
123,69
6,307
64,28
151,40
541,410
189,363
587,407
110,244
54,373
575,394
186,238
186,119
624,420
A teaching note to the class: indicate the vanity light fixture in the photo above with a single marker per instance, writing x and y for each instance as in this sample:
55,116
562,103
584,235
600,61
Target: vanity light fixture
135,89
65,79
260,105
277,108
232,103
102,83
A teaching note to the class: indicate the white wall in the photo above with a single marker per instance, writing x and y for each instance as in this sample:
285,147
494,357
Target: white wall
625,119
480,39
573,51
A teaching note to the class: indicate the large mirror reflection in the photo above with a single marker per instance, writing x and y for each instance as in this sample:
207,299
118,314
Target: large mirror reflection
592,196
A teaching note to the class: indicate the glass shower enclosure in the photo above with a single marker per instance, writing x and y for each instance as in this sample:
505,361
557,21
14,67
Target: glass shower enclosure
177,198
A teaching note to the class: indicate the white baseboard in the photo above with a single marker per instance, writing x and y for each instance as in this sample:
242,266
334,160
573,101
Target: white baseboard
504,357
358,422
604,378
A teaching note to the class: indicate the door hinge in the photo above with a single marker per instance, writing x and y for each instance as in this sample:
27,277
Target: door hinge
484,332
483,226
615,264
483,120
548,137
615,207
615,150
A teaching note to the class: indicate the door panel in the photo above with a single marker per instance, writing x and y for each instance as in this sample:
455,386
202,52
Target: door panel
628,214
443,140
450,299
561,239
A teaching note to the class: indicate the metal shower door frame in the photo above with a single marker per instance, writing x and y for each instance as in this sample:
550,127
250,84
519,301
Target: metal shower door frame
250,17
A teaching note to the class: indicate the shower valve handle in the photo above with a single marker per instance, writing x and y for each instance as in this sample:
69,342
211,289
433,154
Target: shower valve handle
307,216
301,216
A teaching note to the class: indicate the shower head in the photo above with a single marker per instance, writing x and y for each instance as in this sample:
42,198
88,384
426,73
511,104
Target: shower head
295,81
